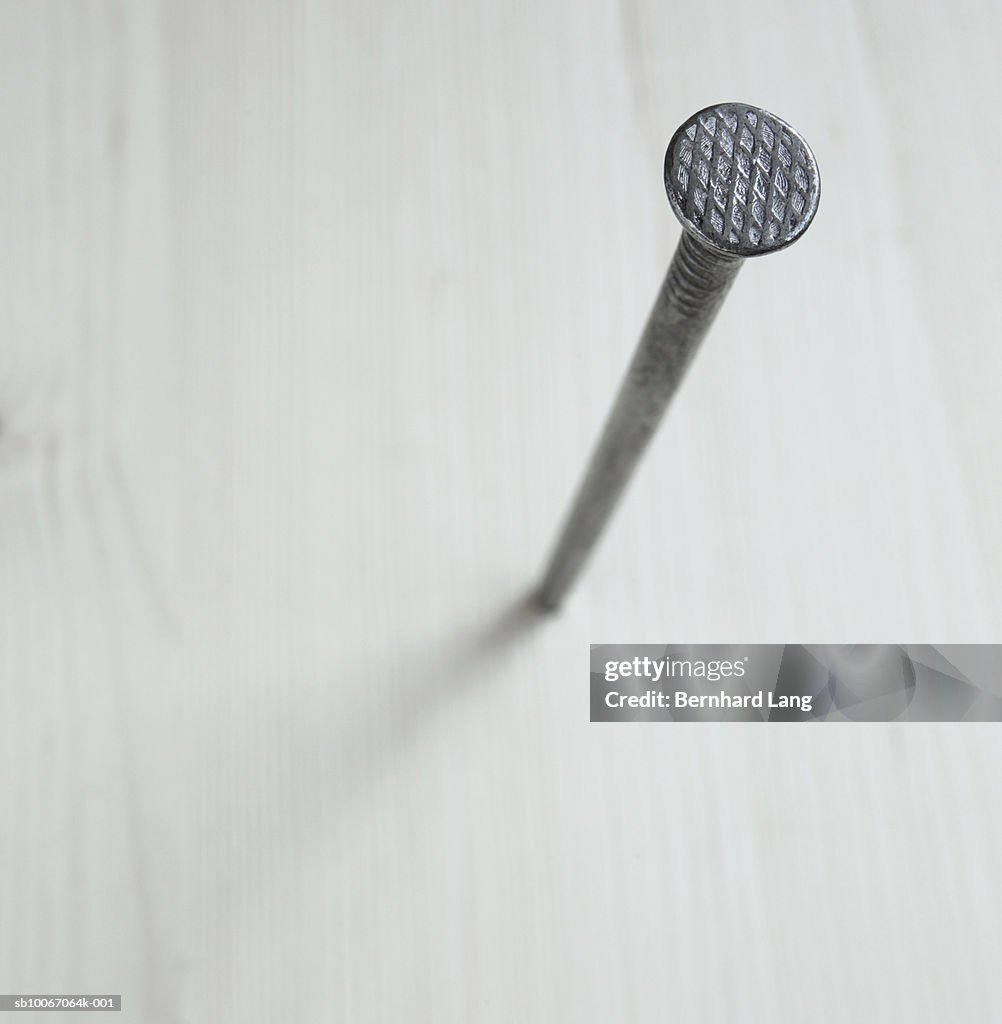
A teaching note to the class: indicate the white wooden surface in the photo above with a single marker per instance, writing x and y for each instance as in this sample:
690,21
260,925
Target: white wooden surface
309,314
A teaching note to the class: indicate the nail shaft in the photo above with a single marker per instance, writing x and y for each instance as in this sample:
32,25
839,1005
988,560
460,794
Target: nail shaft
694,288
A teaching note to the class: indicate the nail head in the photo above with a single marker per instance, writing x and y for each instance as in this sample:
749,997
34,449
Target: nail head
741,180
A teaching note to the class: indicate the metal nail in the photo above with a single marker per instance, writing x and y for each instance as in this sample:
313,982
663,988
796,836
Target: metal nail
743,183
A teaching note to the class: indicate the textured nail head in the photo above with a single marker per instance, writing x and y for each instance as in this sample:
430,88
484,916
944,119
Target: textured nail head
741,180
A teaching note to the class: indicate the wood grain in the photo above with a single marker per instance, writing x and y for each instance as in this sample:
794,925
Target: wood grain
310,315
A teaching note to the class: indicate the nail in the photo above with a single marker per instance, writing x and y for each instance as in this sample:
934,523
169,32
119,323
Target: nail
743,183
